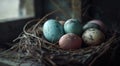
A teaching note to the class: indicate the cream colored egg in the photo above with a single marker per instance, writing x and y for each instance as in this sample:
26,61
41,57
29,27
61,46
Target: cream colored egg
93,36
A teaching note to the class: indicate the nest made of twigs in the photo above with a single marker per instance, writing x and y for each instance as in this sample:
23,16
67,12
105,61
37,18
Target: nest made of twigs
31,46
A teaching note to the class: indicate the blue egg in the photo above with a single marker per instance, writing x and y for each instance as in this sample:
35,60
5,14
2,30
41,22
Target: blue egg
90,25
73,26
52,30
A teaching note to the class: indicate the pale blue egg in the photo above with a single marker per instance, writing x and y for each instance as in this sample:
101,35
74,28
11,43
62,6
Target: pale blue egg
73,26
52,30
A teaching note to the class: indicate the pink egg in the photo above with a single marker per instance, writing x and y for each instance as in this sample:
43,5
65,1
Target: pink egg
100,23
70,41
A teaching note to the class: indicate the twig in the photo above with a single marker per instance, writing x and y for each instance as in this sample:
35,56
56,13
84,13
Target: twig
19,37
9,49
24,28
53,64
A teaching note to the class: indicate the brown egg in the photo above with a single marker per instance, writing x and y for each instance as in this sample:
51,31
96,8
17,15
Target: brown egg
93,36
70,41
98,22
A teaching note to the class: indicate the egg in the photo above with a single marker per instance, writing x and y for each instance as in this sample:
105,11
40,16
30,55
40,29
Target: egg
52,30
98,22
90,25
93,36
62,22
73,26
70,41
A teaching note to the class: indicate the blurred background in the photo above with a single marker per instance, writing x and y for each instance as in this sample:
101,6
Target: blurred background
14,9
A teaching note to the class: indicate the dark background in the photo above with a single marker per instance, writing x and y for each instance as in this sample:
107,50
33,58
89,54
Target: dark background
106,10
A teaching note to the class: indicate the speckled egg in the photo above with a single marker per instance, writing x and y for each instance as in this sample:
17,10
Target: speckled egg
70,41
93,36
100,23
73,26
52,30
90,25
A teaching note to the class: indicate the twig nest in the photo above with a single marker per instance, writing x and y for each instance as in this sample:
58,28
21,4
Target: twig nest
73,26
52,30
93,36
70,41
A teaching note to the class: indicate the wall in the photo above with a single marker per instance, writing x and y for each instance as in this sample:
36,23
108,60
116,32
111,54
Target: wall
10,30
111,11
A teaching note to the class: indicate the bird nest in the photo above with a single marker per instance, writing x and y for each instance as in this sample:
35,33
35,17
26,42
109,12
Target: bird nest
31,46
